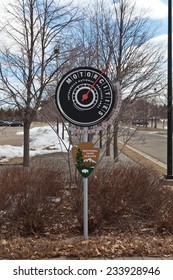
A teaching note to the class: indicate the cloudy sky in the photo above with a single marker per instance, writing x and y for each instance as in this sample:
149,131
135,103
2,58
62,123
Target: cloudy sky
157,10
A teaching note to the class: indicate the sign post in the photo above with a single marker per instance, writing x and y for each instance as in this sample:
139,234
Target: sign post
85,189
169,174
85,97
85,157
85,196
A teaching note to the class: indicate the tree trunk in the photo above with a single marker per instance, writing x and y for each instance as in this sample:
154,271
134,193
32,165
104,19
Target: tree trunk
26,144
115,142
100,135
108,141
57,125
62,131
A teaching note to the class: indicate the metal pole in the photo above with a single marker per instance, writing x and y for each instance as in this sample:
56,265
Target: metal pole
169,174
85,208
85,191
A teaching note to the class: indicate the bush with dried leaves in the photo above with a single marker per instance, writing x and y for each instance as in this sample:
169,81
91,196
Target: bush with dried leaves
129,198
30,198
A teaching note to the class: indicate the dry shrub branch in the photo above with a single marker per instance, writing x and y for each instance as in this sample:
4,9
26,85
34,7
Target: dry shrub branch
30,198
122,199
128,198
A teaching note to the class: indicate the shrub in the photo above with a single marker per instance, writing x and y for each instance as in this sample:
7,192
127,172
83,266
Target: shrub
127,197
121,198
30,198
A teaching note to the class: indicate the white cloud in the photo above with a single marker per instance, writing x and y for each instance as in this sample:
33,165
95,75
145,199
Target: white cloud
160,39
156,8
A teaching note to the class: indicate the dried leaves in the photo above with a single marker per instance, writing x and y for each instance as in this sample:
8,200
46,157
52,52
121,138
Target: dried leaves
97,247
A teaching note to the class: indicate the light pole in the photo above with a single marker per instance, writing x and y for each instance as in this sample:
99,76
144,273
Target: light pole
169,174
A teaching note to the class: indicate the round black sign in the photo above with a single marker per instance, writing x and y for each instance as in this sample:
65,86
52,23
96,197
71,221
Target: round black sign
85,96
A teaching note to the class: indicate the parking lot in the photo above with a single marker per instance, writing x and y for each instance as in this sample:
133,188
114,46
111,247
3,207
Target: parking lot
8,136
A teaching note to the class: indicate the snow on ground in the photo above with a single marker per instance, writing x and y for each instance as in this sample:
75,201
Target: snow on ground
43,140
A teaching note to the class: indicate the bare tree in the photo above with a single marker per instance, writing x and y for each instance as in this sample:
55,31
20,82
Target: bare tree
32,31
120,38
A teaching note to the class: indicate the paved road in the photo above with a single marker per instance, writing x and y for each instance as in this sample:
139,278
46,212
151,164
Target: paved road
152,143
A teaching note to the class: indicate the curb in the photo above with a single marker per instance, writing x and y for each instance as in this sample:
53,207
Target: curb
142,158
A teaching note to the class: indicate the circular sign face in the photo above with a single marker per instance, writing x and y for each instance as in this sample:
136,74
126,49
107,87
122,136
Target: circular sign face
85,96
